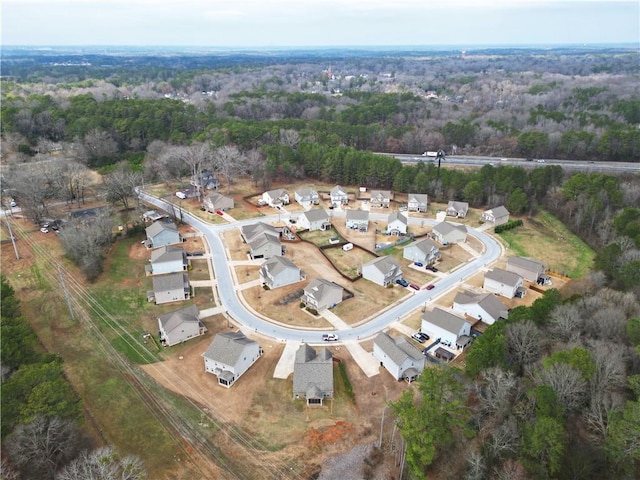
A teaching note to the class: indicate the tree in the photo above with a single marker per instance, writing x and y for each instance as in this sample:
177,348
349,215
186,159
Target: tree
103,464
431,420
567,382
488,350
120,184
524,343
517,202
39,448
100,148
497,391
227,160
623,441
544,444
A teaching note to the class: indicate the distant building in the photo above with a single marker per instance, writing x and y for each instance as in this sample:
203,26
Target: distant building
338,196
380,198
307,196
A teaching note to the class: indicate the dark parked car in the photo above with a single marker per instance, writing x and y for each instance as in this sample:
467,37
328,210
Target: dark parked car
414,286
431,286
432,268
418,264
402,282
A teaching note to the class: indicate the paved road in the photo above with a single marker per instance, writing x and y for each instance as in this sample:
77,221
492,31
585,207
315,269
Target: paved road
235,308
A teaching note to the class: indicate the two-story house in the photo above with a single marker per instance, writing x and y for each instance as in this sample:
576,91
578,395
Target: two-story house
424,251
180,326
321,294
382,271
401,359
417,202
313,375
229,356
280,271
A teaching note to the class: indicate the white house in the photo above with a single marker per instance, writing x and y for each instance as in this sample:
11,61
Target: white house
447,233
321,293
316,219
397,224
481,306
162,233
497,215
313,374
338,196
457,209
380,198
502,282
172,287
357,220
276,198
280,271
401,359
382,271
423,250
263,240
179,326
229,356
167,259
216,201
306,196
450,329
528,268
417,202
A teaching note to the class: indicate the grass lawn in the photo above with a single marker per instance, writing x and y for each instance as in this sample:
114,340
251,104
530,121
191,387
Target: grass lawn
547,239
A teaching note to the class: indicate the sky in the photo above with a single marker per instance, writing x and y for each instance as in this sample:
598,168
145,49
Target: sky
300,23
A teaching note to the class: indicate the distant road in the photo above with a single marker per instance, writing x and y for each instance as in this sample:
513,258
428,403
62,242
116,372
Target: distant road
474,161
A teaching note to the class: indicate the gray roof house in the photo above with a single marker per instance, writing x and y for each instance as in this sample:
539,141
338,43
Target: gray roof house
263,240
482,306
217,201
497,215
382,271
396,224
316,219
446,233
229,356
528,268
280,271
276,198
423,250
338,196
502,282
417,202
313,374
205,180
380,198
321,294
307,196
167,259
357,220
172,287
450,329
180,326
457,209
249,232
160,234
401,359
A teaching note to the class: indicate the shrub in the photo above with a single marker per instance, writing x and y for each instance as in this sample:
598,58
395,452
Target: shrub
508,226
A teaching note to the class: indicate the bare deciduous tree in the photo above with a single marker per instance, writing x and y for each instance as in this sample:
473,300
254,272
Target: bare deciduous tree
567,382
524,343
476,466
497,391
120,183
103,464
566,322
228,162
504,440
99,147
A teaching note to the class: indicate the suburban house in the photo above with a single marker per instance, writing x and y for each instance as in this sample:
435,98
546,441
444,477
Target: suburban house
417,202
280,271
380,198
160,234
229,356
216,201
306,196
481,306
263,240
276,198
179,326
172,287
338,196
530,269
313,374
497,215
205,181
167,259
450,329
401,359
321,294
382,271
457,209
446,233
397,224
152,215
316,219
424,251
502,282
357,220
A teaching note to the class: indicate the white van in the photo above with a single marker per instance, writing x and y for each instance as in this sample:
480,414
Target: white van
347,246
181,195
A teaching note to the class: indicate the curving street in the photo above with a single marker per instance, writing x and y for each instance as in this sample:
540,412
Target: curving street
237,310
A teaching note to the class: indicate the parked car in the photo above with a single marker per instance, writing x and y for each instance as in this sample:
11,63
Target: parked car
418,264
431,268
44,230
330,337
431,286
219,212
402,282
420,337
13,203
414,286
334,240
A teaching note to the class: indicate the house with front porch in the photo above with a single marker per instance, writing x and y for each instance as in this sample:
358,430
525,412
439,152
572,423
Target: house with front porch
417,202
313,375
457,209
398,356
382,271
495,216
321,294
229,356
279,271
338,196
380,198
397,224
307,196
180,326
424,251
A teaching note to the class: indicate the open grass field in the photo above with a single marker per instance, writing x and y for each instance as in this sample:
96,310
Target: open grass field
545,238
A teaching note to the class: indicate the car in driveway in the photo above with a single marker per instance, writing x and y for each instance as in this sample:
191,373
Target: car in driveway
414,286
402,282
420,337
418,264
431,268
330,337
219,212
431,286
44,230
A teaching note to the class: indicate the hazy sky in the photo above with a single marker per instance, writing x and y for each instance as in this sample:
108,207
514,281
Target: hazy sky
221,23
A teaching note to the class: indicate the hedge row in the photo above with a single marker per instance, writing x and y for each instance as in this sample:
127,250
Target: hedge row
508,226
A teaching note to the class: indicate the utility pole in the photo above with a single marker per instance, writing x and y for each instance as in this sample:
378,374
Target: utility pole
66,294
13,239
